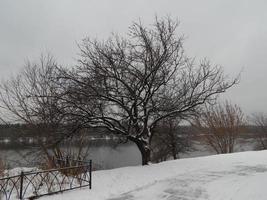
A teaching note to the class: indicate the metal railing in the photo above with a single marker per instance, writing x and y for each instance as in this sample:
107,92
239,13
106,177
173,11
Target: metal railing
30,185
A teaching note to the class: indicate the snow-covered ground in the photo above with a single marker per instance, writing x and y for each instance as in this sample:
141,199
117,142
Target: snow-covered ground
237,176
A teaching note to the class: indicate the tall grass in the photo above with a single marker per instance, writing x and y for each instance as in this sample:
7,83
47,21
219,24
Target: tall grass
2,174
2,168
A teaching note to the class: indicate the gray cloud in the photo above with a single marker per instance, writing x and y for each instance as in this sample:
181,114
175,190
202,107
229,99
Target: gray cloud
230,33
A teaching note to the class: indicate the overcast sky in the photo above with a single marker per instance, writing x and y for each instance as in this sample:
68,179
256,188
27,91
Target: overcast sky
230,33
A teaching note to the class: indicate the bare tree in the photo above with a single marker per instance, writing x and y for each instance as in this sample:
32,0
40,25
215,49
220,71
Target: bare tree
170,139
220,125
129,84
260,120
29,99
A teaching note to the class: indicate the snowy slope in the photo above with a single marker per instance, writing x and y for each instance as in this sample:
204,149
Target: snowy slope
238,176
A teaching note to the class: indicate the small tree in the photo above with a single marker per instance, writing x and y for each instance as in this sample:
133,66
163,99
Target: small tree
128,85
260,120
169,140
30,98
220,125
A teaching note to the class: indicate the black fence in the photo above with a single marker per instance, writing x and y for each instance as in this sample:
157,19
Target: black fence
31,185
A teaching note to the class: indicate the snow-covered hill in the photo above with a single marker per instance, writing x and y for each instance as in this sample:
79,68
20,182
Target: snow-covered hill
238,176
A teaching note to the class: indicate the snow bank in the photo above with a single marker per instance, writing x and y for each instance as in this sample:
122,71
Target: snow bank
237,176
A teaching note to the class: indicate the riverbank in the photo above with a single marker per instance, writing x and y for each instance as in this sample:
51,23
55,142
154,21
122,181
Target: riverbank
237,176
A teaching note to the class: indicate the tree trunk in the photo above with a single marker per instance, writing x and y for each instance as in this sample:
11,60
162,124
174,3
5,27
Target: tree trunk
145,151
145,156
174,154
174,151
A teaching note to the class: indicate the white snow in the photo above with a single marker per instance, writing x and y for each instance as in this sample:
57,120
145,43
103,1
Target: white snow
237,176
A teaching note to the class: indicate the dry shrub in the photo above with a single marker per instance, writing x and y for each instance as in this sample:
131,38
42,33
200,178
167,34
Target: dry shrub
71,153
2,173
260,131
220,126
2,168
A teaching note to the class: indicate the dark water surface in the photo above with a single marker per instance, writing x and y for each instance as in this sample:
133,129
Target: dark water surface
104,154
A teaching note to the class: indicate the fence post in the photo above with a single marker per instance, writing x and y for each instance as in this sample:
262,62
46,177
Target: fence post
21,185
90,173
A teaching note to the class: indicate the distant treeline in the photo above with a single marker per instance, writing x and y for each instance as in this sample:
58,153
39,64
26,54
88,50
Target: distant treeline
20,130
11,130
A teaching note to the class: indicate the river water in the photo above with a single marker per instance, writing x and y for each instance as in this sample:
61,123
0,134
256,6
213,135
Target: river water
108,154
105,155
